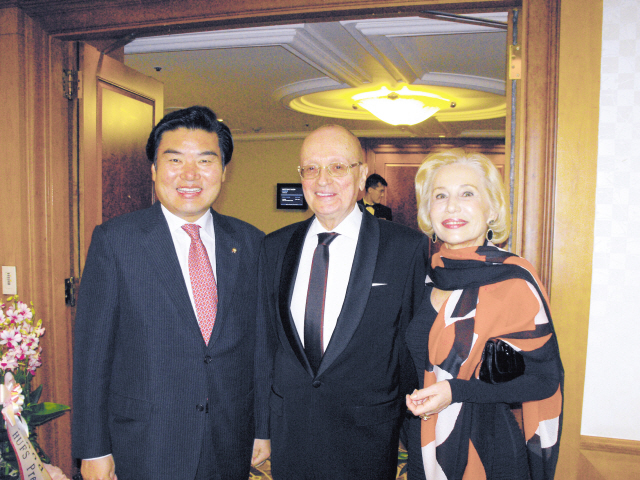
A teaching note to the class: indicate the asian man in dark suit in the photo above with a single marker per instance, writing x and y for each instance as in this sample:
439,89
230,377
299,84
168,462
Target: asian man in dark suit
337,292
163,385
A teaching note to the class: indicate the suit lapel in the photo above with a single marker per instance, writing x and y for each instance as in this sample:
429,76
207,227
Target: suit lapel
355,301
227,264
162,255
285,292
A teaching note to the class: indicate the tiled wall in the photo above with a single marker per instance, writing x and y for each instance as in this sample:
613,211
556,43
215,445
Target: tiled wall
612,385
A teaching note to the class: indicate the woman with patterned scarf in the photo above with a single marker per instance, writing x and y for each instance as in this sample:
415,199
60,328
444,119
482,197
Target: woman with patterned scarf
470,424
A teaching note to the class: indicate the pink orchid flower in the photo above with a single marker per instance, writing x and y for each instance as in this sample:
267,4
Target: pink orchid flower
8,362
11,338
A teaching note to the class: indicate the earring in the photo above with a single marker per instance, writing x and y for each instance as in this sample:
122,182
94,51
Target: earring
489,234
434,237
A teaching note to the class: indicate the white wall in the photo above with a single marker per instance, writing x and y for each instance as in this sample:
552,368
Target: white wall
612,384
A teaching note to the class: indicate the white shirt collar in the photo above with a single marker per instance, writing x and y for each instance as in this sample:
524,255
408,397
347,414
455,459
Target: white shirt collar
349,227
176,223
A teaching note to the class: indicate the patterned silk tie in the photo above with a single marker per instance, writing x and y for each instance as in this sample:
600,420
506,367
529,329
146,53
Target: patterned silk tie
314,311
203,283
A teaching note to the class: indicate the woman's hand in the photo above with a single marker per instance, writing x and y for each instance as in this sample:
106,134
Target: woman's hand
430,400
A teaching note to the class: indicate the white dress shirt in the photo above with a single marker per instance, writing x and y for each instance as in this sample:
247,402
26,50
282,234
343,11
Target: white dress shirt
182,242
341,253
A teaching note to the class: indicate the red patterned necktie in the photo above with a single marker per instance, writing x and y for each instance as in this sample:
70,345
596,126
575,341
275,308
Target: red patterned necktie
203,283
314,309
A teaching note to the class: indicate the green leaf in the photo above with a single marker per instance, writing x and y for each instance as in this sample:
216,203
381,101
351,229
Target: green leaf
47,407
35,395
43,412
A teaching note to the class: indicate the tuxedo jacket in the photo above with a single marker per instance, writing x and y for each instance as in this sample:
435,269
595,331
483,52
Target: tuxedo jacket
342,423
379,210
144,382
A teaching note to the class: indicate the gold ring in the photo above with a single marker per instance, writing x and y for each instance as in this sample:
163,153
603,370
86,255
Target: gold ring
425,417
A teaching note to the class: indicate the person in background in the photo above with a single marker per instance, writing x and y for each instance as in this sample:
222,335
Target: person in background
165,333
464,426
338,291
375,189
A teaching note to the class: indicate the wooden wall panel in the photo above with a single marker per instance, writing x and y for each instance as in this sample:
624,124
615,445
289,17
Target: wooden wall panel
400,193
74,19
34,181
535,132
576,147
608,459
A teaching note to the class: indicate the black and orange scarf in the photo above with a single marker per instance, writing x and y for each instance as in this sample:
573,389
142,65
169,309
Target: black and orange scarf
495,294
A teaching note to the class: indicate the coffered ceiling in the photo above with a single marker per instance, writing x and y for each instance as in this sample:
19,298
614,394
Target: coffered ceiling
273,81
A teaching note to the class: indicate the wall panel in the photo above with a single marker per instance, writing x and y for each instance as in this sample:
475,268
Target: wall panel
34,182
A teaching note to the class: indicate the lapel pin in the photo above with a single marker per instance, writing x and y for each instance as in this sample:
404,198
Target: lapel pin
234,250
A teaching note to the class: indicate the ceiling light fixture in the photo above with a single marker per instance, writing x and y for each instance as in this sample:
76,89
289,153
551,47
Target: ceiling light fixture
401,107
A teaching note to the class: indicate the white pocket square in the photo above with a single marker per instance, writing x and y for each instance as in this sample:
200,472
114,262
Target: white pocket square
378,284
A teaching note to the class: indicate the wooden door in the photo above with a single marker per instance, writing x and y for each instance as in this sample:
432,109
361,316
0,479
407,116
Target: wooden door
118,109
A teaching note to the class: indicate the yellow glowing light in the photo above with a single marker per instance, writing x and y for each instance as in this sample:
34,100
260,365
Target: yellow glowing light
401,107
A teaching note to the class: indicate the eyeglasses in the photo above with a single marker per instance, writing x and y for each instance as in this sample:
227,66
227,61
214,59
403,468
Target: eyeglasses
311,171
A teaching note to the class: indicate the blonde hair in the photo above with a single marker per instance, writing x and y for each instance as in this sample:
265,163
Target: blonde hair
493,188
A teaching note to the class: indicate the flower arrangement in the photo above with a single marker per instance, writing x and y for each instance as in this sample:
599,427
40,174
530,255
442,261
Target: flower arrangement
20,355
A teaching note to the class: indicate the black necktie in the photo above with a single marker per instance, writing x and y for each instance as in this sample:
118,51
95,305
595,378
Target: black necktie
314,311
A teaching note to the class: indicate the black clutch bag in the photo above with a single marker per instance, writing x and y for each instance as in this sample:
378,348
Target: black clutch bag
500,362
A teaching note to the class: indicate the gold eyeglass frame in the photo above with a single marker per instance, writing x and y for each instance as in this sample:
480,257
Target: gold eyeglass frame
328,167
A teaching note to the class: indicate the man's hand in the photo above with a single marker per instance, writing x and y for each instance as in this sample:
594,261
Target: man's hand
261,451
99,469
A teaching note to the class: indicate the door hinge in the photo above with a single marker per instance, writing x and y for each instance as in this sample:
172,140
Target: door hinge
70,291
515,62
72,84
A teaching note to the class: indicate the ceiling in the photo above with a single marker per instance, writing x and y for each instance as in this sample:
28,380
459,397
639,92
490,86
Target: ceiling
254,77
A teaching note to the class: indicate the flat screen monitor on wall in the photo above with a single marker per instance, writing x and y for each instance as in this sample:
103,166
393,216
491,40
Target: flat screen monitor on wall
290,197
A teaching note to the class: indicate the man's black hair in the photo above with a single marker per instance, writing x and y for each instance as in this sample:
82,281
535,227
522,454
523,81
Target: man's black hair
192,118
373,180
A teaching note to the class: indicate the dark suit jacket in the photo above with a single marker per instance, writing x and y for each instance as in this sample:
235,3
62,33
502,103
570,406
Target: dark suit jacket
379,210
344,422
144,382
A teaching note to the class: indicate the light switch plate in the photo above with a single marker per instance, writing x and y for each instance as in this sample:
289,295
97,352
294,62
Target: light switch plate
9,282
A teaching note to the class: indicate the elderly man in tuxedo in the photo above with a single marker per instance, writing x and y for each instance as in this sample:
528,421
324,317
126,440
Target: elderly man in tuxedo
337,292
164,353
